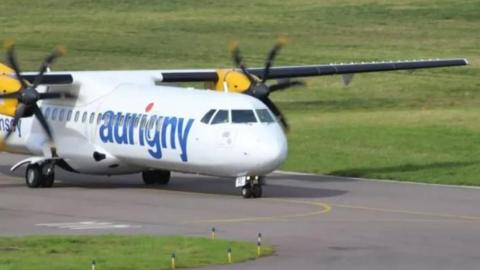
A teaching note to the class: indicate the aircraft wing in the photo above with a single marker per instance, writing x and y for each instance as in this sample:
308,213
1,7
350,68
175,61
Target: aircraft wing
50,78
315,70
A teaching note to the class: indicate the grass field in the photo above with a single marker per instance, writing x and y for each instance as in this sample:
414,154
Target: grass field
419,127
119,252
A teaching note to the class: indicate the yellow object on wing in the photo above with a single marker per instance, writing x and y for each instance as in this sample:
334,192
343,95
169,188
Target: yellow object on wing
234,80
8,84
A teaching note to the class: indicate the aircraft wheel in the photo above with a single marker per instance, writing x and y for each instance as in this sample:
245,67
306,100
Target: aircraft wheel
246,192
163,177
156,177
33,176
48,180
256,191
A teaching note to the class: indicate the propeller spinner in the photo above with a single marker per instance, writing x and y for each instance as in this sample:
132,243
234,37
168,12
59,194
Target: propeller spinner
28,96
258,87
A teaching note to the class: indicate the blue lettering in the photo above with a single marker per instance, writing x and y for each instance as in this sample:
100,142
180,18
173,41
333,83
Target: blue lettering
141,135
183,137
106,127
149,134
154,142
131,128
172,123
121,137
19,128
7,125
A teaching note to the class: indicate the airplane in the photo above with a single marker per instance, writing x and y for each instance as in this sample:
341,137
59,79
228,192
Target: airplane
134,121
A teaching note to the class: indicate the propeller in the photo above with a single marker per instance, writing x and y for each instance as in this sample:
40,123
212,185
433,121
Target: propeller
258,87
28,96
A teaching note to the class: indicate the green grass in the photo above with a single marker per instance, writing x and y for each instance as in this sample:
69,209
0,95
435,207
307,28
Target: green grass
119,252
418,127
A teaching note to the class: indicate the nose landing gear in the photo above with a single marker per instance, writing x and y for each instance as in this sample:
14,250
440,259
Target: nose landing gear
251,186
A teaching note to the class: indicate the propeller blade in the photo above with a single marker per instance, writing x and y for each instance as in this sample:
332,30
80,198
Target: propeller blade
284,85
276,112
58,52
19,112
271,57
237,59
12,61
10,95
43,122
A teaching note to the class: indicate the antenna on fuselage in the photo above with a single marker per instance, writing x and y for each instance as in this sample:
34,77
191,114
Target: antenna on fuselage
225,87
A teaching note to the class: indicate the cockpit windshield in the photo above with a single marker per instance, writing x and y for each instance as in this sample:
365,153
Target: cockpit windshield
214,116
264,116
220,117
243,116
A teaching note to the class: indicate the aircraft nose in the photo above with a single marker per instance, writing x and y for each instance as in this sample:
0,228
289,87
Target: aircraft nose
272,152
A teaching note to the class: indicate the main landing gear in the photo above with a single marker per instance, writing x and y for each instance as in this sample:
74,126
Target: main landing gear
158,177
251,186
40,175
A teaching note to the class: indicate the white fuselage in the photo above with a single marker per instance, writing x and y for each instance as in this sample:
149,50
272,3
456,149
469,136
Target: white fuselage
122,123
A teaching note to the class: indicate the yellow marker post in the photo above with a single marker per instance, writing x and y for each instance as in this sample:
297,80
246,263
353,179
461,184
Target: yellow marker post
259,245
229,255
94,265
213,233
173,261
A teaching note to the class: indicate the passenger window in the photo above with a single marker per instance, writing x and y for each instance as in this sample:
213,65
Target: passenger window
206,118
114,120
220,117
69,115
47,113
92,117
143,122
61,115
99,118
264,116
120,120
243,116
77,115
137,120
54,114
159,123
151,122
84,117
106,119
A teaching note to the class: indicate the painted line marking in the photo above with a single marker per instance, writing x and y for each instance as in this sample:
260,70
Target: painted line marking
87,225
408,212
324,209
375,180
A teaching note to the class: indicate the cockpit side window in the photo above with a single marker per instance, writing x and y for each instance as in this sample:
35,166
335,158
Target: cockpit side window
264,116
243,116
206,118
221,117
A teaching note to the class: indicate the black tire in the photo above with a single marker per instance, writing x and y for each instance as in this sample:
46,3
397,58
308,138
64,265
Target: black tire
256,191
246,192
156,177
48,180
33,176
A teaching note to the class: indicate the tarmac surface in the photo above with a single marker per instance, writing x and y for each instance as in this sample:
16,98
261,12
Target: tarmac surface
314,222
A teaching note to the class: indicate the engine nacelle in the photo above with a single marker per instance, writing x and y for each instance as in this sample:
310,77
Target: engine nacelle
8,84
235,81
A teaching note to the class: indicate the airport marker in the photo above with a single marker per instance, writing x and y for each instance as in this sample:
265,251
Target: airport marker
229,255
213,233
173,260
94,264
259,244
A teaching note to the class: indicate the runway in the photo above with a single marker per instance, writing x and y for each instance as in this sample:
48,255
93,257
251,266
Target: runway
314,222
